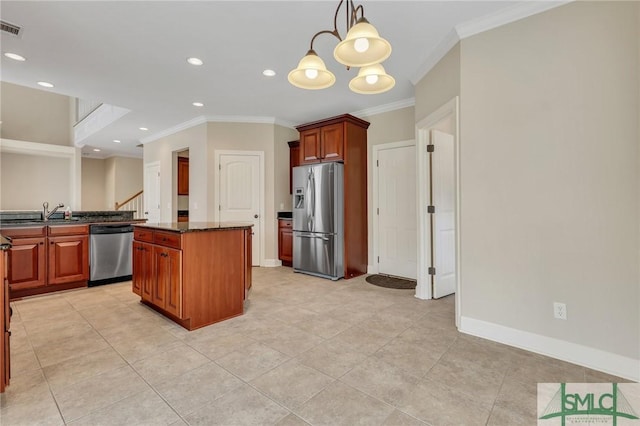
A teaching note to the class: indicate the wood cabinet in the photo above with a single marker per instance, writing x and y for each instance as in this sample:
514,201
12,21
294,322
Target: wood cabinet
344,138
167,283
294,160
5,322
47,258
325,143
183,176
194,278
285,242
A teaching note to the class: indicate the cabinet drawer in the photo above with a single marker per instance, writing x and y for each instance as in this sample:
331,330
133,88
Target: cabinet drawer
35,231
69,230
143,235
169,239
284,223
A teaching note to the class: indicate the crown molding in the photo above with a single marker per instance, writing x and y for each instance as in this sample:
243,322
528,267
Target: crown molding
215,119
249,119
436,55
175,129
405,103
506,16
482,24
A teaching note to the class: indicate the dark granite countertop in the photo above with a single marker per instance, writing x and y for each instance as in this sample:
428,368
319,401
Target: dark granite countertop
16,219
285,215
5,244
183,227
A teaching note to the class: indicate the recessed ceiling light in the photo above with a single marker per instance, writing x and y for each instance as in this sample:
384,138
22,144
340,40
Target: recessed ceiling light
15,57
268,73
116,141
96,150
195,61
198,104
45,84
143,128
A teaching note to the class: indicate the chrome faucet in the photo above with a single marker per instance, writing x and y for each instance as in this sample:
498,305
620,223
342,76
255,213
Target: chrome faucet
46,214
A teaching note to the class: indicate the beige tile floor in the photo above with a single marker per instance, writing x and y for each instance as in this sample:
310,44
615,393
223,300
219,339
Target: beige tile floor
307,351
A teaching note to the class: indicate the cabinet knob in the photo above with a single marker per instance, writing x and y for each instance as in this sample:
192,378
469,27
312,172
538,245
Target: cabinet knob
255,216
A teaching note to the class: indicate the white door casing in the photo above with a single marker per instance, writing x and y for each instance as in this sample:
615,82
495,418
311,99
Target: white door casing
394,224
151,188
240,193
449,114
443,226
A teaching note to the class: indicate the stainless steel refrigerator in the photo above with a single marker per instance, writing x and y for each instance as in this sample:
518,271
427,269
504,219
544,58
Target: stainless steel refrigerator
318,220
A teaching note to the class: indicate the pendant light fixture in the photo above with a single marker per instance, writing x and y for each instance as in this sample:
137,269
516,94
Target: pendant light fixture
371,80
362,47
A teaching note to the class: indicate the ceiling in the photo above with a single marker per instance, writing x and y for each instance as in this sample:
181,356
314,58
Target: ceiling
132,54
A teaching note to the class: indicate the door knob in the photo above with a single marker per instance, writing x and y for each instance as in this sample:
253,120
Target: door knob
255,216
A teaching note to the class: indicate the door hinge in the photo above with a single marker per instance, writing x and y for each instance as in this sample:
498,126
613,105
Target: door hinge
378,211
378,259
431,209
431,270
377,163
431,148
219,166
219,207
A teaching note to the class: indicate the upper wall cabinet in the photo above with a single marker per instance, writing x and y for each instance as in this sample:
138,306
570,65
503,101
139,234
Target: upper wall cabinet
294,159
328,140
183,176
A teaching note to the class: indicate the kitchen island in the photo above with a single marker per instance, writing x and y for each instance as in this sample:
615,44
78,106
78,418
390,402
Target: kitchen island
194,273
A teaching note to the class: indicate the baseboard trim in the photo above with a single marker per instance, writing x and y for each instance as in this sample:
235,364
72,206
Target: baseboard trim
272,263
585,356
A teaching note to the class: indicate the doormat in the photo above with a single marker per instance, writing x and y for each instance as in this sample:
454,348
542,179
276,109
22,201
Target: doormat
391,282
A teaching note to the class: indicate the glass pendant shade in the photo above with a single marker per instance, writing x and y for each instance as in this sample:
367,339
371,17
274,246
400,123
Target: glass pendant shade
311,73
362,46
372,80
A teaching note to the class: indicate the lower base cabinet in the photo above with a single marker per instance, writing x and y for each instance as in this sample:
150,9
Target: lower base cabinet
5,319
285,242
194,278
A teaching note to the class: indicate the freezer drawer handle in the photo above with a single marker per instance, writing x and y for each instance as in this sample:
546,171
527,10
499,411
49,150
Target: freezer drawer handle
314,236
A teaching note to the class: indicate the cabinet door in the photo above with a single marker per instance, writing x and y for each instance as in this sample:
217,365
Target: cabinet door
249,262
332,147
26,263
167,285
183,176
294,160
144,272
310,146
138,268
173,268
68,259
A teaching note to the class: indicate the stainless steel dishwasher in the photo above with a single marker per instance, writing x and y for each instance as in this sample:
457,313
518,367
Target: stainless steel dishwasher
110,248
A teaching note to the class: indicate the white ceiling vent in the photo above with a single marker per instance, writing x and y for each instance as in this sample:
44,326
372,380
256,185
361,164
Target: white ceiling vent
10,28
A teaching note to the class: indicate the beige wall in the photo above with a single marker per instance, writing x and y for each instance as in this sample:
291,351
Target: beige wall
165,151
29,180
392,126
549,174
249,137
439,86
35,115
93,184
128,178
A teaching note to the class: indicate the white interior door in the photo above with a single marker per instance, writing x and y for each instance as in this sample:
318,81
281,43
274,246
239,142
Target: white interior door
239,194
443,221
151,188
397,233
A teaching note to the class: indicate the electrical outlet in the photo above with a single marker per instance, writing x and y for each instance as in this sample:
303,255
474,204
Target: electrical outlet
560,310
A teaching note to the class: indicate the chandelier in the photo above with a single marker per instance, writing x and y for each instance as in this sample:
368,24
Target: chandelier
362,48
